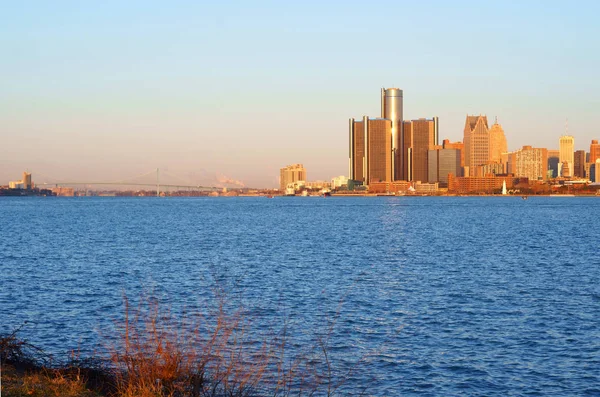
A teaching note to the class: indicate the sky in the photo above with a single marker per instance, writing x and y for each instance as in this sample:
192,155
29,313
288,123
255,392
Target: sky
208,91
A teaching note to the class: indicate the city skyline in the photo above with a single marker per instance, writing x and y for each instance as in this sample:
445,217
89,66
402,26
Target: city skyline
92,90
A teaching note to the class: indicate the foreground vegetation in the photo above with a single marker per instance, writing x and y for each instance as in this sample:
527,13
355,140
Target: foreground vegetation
155,354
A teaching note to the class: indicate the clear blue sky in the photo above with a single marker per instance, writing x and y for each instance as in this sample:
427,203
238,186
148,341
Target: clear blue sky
111,89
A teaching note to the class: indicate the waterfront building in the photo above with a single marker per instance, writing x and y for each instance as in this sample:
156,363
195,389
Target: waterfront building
497,143
370,150
482,184
394,187
566,148
420,136
339,181
531,163
553,162
291,174
24,183
425,188
594,151
442,162
476,142
392,109
579,164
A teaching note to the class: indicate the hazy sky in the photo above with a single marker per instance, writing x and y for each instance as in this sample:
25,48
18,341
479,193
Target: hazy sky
107,90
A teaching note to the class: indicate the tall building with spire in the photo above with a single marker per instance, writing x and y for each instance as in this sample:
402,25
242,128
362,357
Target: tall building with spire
477,143
566,154
497,143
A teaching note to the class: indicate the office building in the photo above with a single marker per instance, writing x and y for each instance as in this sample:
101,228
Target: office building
497,143
446,144
392,109
370,151
594,151
531,163
579,164
291,174
441,163
420,136
553,162
566,149
477,143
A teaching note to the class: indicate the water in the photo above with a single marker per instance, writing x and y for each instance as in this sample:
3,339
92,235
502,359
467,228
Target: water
437,296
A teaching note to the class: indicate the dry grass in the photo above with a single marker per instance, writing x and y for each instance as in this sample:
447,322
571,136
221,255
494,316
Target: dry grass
157,354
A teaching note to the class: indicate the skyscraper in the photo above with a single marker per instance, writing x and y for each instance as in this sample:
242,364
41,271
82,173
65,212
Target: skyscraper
579,164
420,136
566,148
370,150
441,163
497,143
553,161
392,109
594,151
477,143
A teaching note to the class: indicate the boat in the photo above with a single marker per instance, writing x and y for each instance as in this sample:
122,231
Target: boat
325,193
524,197
290,192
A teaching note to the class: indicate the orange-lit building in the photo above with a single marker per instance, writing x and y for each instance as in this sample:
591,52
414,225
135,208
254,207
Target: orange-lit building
497,143
477,143
594,151
485,184
531,163
579,164
420,136
291,174
370,151
389,187
456,145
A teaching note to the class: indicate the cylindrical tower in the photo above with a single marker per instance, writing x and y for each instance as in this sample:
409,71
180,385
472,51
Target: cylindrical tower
391,109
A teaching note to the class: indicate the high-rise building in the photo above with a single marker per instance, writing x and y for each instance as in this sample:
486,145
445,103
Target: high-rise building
553,162
291,174
446,144
477,143
567,148
579,164
27,180
370,150
497,143
392,109
531,163
442,162
594,151
420,136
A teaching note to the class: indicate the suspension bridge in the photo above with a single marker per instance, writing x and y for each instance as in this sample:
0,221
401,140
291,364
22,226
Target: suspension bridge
140,180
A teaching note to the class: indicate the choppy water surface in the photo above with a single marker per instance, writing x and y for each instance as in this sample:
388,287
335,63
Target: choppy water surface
440,296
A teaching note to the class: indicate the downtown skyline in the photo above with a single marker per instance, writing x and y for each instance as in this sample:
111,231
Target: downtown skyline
202,91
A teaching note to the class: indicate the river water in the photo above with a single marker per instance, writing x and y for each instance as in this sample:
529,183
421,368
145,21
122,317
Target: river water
434,296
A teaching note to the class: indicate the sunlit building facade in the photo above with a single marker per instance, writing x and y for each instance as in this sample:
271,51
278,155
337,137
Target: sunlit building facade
290,175
567,150
477,143
420,136
370,150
